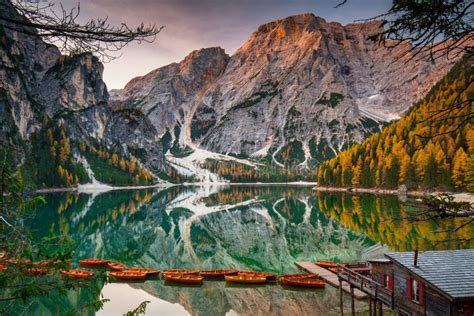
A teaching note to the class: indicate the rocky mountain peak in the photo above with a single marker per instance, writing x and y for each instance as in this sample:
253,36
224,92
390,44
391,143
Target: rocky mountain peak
208,61
299,90
199,66
74,83
291,25
305,30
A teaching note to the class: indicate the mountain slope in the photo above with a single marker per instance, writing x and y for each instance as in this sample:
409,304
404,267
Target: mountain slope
420,150
296,93
49,104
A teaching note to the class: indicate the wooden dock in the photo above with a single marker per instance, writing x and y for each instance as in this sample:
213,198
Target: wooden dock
329,277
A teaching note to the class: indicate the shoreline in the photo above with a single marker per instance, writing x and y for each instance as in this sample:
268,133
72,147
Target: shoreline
100,189
458,196
92,189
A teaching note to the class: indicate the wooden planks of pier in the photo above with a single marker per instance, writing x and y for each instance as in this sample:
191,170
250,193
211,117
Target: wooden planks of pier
330,277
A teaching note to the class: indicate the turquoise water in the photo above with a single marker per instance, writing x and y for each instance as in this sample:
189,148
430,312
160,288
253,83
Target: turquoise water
264,228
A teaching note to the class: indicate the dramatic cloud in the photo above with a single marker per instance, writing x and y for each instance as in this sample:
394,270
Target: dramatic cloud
191,25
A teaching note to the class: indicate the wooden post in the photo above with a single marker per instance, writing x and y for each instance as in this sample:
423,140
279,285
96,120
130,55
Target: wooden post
370,306
341,297
352,301
380,309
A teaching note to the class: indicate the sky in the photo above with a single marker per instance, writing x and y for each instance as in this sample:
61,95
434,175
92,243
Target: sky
194,24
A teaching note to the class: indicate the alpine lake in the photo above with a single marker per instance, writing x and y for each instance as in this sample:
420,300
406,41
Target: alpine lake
244,227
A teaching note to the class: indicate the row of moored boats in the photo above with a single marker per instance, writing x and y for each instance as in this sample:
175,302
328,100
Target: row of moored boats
118,271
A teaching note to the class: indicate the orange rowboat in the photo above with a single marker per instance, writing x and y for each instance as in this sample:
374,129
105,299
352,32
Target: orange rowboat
305,282
245,278
148,272
333,269
48,263
77,274
300,275
94,263
183,278
127,276
2,267
175,271
267,276
285,277
116,266
328,264
217,273
37,271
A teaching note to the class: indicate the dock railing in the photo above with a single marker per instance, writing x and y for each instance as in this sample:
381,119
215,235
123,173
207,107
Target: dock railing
367,285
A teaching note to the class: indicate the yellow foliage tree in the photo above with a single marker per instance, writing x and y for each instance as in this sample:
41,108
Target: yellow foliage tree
459,168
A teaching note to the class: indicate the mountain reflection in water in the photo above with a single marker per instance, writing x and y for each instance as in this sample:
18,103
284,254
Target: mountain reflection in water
265,228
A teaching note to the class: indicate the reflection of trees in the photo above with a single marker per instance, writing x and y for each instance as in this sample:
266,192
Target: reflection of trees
272,235
113,227
384,219
140,228
237,194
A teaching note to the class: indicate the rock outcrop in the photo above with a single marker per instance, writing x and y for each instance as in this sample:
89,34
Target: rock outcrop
168,95
37,81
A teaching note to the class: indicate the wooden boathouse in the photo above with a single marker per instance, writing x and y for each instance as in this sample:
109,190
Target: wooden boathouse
417,283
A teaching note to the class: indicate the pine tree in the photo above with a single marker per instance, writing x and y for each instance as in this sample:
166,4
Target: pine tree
378,178
404,166
459,168
123,164
470,174
132,165
357,173
430,172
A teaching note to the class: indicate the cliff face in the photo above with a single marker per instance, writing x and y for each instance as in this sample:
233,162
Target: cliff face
167,96
36,81
300,87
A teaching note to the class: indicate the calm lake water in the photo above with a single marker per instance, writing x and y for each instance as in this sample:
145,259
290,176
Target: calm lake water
264,228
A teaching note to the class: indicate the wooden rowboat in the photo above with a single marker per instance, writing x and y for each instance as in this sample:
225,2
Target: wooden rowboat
300,275
37,271
327,264
127,275
183,278
116,266
77,274
43,267
48,263
266,275
285,277
94,263
217,273
177,271
147,271
245,278
305,282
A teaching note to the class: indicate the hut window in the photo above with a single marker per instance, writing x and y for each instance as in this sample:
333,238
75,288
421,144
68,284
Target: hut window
415,290
387,281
